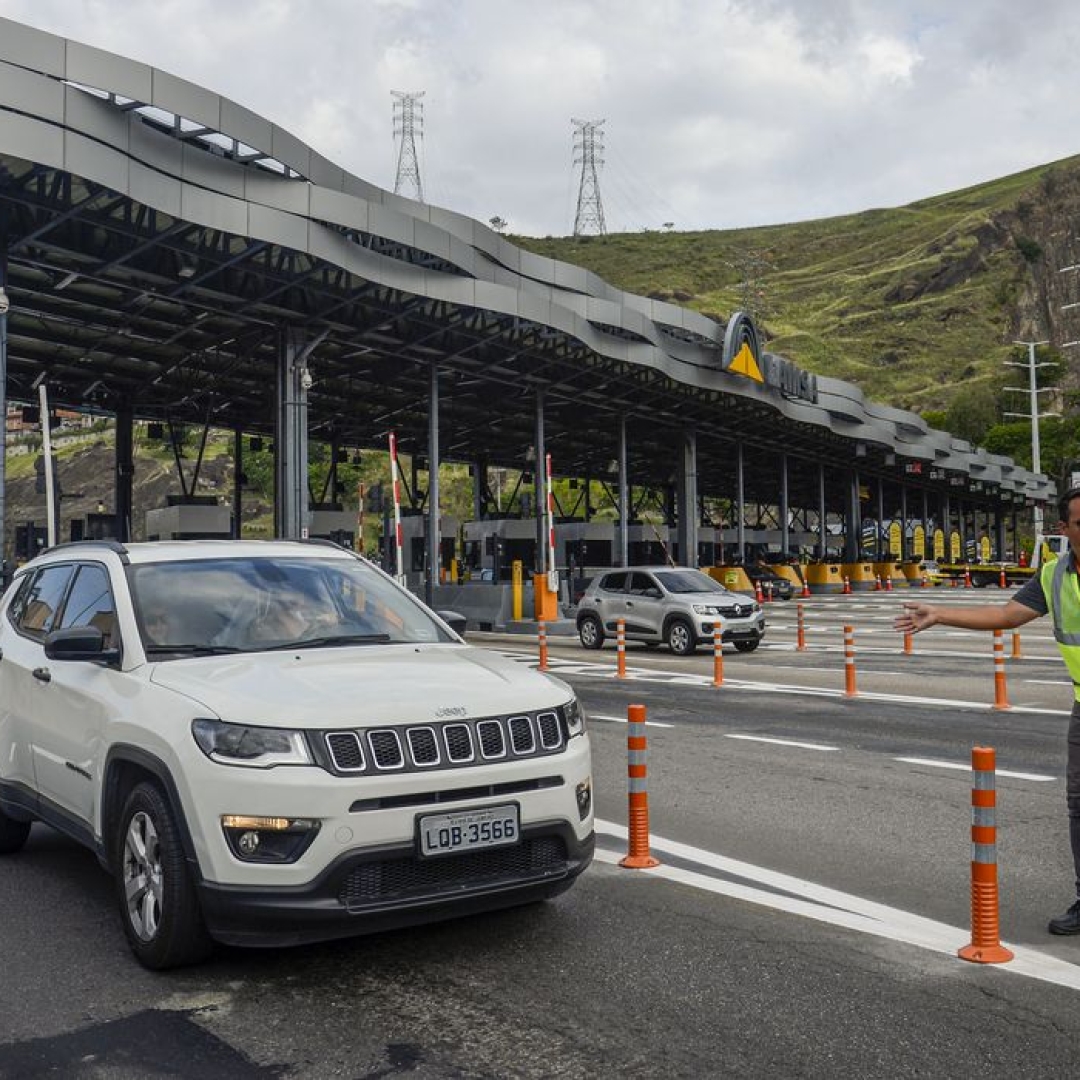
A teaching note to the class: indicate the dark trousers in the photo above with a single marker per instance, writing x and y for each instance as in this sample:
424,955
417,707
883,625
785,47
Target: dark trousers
1072,789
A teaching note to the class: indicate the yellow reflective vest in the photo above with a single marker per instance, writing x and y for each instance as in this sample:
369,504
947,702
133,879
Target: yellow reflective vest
1061,587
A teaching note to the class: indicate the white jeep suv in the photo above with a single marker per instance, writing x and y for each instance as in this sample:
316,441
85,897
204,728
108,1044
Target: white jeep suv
271,743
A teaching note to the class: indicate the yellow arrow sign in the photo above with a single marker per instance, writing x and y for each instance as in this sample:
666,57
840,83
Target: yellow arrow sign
745,364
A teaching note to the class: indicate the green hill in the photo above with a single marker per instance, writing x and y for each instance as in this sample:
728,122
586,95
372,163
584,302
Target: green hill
914,304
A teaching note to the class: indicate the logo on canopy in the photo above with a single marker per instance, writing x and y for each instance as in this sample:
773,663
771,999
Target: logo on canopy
742,350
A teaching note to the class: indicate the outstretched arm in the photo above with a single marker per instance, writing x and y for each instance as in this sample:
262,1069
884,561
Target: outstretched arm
1008,616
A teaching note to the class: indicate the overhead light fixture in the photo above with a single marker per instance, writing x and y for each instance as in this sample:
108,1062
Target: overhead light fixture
65,281
188,268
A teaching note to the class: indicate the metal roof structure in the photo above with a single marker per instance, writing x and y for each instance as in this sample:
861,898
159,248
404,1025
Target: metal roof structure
161,239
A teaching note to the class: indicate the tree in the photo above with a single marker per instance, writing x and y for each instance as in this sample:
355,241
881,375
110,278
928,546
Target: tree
498,224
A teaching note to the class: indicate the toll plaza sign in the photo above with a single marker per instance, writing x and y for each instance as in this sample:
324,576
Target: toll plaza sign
743,356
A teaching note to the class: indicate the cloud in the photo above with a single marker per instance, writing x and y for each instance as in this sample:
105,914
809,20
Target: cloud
719,112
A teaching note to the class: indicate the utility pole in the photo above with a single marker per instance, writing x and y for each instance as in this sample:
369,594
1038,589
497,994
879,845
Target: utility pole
408,121
1033,415
588,153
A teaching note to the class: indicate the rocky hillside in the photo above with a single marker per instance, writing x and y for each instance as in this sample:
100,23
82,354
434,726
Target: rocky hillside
915,304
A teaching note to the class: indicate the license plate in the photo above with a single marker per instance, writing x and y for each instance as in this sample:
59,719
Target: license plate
466,830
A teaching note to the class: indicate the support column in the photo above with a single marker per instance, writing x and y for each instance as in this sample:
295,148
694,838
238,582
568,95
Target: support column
624,499
686,493
880,547
784,510
904,546
238,483
853,531
291,514
946,525
434,532
740,508
479,487
823,524
540,487
125,470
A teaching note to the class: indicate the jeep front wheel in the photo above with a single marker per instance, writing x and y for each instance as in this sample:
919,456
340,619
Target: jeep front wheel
156,894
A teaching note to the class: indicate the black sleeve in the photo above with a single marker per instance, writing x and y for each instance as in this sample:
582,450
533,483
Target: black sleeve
1031,595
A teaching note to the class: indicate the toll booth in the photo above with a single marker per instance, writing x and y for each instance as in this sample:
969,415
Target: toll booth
191,517
492,545
330,522
584,545
414,525
649,545
709,547
94,527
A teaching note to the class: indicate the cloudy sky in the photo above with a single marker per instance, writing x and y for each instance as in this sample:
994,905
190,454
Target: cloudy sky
719,113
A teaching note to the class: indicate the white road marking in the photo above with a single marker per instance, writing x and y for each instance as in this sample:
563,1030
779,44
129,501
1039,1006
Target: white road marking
967,768
782,742
831,906
623,720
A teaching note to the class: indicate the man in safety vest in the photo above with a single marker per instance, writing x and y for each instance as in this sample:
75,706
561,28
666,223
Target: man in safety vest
1056,591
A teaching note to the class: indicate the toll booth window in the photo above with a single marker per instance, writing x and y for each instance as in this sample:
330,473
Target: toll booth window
42,600
90,603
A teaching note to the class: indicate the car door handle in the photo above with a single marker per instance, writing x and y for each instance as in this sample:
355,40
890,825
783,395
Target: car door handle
42,673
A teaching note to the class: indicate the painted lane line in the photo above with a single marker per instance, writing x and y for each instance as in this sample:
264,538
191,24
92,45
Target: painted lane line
782,742
962,767
623,720
831,906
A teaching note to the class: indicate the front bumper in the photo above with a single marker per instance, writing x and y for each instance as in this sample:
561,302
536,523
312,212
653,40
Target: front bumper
749,630
388,887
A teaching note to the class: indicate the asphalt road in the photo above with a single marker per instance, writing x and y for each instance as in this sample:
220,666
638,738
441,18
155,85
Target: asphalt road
812,891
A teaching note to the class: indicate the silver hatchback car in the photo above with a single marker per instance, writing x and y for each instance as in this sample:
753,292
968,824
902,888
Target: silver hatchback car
671,605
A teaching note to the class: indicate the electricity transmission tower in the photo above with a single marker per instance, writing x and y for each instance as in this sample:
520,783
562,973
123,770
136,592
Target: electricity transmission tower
588,152
408,121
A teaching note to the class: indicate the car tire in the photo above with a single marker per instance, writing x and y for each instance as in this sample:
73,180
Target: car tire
747,646
13,834
155,890
590,632
680,637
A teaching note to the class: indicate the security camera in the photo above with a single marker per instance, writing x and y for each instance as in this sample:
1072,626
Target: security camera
306,380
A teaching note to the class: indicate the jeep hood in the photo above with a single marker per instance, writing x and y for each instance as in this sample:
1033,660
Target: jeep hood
357,685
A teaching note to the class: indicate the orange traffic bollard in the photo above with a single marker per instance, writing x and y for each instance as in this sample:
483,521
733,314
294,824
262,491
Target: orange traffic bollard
718,655
800,633
967,578
768,592
1016,653
637,856
1003,582
985,947
620,649
1001,700
907,642
541,631
849,662
847,587
925,582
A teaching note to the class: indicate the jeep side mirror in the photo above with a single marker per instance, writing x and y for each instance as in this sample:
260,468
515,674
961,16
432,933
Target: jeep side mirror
78,643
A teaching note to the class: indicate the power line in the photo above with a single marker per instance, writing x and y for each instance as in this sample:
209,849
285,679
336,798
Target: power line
588,151
408,121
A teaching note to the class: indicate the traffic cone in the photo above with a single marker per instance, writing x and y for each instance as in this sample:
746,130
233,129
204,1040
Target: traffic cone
967,578
877,583
888,583
925,582
847,587
805,588
758,595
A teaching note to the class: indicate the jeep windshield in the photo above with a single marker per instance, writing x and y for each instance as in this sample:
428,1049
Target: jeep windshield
202,607
688,581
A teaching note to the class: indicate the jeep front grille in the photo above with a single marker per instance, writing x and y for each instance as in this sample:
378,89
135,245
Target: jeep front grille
455,744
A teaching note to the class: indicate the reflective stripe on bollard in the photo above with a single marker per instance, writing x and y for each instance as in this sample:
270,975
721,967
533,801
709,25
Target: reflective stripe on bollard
849,662
637,856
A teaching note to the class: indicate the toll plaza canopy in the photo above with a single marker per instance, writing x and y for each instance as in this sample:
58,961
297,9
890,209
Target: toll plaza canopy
170,254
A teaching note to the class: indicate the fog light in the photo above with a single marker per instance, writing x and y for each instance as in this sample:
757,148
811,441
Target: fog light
584,798
268,839
248,843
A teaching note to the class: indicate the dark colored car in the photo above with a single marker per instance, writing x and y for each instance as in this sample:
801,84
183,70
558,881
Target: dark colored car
782,589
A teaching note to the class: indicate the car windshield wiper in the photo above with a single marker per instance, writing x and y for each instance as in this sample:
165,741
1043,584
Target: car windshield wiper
191,650
334,639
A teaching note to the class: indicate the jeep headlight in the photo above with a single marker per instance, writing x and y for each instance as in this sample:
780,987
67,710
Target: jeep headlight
706,609
251,747
574,716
